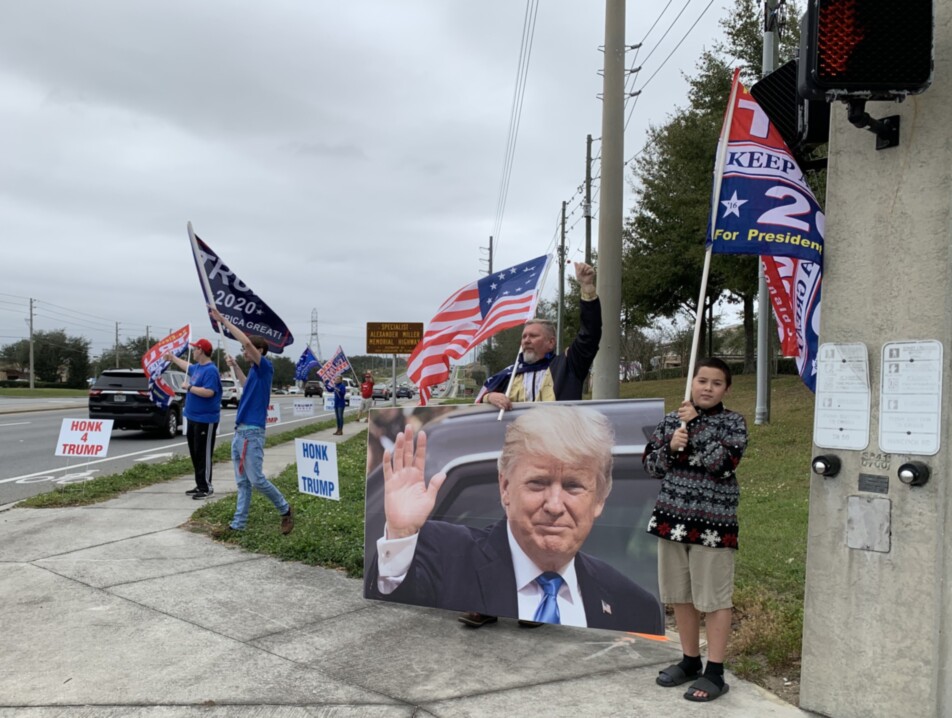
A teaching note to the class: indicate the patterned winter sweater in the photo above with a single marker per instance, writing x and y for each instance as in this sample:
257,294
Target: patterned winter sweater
698,500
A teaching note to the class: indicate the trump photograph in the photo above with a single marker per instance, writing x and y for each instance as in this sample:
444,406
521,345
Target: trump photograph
537,515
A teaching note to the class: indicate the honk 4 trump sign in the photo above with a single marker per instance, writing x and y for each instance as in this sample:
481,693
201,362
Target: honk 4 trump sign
88,438
317,469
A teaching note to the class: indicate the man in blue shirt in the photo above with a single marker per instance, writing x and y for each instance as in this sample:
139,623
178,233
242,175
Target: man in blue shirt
203,411
247,448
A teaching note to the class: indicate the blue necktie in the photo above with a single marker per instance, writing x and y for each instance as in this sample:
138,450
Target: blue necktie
548,610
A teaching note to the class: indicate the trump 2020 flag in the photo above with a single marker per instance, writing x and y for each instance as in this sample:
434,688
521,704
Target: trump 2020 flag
236,301
761,204
305,363
334,367
794,286
154,364
764,205
473,314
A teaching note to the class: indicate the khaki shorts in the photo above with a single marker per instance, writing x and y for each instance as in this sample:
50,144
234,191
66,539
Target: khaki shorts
366,405
703,576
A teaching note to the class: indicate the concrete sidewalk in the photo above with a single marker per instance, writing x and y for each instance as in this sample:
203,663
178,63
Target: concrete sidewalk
113,610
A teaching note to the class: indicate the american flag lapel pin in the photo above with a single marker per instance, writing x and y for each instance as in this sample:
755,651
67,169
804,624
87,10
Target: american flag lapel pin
606,608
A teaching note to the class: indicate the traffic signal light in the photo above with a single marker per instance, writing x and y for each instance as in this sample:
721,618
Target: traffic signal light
865,49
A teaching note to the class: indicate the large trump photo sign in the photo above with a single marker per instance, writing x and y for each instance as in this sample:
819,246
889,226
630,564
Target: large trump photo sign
539,515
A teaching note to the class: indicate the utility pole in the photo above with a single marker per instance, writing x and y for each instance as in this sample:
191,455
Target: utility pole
559,309
32,383
605,382
148,341
117,345
762,405
489,341
490,260
587,207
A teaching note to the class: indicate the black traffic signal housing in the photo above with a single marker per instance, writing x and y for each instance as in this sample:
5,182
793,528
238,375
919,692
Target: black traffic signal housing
860,50
803,124
866,49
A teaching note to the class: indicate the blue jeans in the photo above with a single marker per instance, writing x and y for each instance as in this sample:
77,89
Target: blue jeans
339,415
247,453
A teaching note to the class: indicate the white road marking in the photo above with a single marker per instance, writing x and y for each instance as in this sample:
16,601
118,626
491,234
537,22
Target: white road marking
47,472
17,423
152,457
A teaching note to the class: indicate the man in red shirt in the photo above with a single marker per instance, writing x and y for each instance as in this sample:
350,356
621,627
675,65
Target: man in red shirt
366,396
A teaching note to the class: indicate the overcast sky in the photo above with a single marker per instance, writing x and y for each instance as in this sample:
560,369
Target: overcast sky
344,157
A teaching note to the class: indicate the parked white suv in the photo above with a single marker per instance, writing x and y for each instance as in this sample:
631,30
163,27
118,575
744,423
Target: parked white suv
230,392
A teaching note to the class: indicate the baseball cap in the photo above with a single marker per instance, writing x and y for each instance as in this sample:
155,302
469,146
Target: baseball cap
204,345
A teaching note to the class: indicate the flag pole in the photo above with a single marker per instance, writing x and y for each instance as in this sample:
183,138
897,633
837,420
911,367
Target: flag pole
515,366
206,290
715,200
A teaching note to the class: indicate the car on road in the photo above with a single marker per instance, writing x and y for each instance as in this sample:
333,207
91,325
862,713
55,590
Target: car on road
404,392
294,390
314,388
230,392
123,395
381,391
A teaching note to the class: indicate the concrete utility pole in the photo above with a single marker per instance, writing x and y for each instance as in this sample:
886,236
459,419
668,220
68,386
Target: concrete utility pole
762,405
32,370
587,207
117,345
605,383
489,342
490,259
877,628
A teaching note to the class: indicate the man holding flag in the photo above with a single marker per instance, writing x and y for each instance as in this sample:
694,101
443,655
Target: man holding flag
203,411
541,375
473,314
247,448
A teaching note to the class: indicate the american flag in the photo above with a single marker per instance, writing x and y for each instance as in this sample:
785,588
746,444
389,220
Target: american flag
504,299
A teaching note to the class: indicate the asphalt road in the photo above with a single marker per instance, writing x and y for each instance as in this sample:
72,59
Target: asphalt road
28,441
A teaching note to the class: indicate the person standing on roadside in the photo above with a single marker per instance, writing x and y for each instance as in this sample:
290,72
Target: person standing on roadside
366,397
247,448
203,412
695,452
340,401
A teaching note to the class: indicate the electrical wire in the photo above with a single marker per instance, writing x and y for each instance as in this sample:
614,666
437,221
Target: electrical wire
515,115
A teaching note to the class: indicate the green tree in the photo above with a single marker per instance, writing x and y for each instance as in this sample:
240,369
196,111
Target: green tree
664,251
57,357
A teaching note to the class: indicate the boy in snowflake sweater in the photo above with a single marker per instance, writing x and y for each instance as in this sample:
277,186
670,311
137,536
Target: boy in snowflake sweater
695,451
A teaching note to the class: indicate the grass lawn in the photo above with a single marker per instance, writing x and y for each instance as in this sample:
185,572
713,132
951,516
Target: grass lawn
27,393
774,478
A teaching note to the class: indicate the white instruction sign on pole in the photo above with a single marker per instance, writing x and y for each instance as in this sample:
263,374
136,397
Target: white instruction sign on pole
317,468
910,398
84,437
841,409
304,407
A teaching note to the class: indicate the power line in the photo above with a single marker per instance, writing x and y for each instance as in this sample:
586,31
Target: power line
515,115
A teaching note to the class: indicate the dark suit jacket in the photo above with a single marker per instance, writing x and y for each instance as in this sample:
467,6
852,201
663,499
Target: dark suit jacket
466,569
